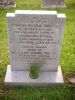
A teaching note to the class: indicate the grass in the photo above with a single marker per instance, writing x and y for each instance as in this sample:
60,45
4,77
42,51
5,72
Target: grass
34,70
70,3
67,58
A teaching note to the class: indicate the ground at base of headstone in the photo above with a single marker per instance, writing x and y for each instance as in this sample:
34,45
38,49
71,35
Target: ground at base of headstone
21,78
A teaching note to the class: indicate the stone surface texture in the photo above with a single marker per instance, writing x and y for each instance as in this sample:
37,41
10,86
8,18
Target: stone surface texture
35,36
7,4
53,4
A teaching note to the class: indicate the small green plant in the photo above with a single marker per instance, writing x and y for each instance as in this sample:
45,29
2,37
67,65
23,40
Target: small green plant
34,70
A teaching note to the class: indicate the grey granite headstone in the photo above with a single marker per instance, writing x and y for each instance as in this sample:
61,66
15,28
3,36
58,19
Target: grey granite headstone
34,36
53,4
7,4
4,1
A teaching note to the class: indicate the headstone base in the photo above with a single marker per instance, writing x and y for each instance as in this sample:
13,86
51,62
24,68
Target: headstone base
21,78
52,6
7,6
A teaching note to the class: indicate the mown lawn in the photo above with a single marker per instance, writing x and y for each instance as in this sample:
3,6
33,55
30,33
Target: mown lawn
67,58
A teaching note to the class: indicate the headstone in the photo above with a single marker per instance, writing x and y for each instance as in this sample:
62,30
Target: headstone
34,36
53,4
7,4
4,1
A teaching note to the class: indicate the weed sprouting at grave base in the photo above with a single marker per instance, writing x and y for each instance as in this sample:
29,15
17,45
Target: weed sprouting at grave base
34,70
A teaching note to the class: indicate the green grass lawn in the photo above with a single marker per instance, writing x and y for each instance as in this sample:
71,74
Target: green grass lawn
67,58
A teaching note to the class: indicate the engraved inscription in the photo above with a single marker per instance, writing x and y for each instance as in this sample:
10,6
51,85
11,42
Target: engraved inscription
35,40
